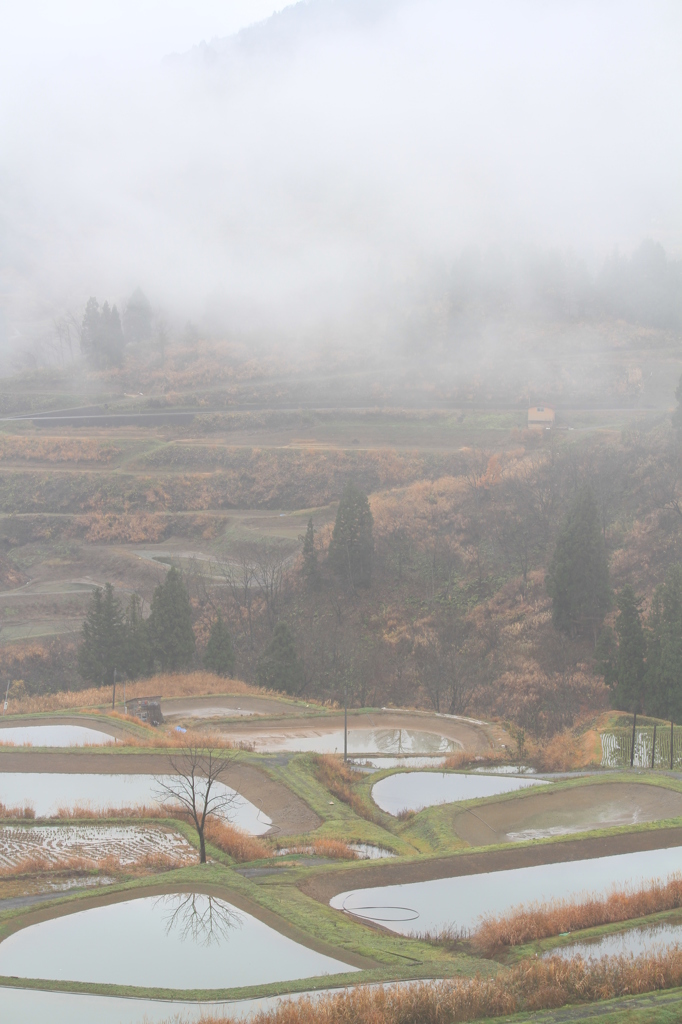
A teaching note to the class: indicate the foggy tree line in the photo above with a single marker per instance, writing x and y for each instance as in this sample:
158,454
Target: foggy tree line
306,620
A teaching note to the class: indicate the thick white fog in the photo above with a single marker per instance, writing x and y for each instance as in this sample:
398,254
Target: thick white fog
331,159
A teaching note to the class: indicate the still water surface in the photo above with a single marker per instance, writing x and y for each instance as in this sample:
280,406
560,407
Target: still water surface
654,938
46,792
360,741
459,902
54,736
182,941
413,791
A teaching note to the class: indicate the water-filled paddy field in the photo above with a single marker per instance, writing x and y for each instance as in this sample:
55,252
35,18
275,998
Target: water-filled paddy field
360,741
435,905
126,843
181,941
47,792
413,791
54,736
549,812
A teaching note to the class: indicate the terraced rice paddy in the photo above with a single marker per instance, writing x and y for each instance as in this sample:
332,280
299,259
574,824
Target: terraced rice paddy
180,941
128,844
360,741
413,791
47,792
54,736
458,903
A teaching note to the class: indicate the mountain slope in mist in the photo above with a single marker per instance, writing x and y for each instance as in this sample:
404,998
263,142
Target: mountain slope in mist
318,177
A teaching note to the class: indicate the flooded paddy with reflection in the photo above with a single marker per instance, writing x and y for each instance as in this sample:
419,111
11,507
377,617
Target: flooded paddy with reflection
459,902
413,791
47,792
53,736
181,941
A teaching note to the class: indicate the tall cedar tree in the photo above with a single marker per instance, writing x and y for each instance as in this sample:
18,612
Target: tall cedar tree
102,338
664,661
138,651
219,654
578,577
622,660
310,569
102,646
170,624
352,545
278,667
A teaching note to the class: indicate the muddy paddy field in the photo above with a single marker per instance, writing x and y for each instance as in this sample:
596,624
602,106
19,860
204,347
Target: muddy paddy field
320,875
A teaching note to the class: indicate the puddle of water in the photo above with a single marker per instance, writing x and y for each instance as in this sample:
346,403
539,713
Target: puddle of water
365,851
127,843
632,942
459,902
46,792
53,736
182,941
209,712
413,791
360,741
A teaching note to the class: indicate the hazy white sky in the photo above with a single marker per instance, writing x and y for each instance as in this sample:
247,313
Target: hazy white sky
350,144
49,33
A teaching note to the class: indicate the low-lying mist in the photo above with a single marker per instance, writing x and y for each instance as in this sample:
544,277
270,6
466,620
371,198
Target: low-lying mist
383,176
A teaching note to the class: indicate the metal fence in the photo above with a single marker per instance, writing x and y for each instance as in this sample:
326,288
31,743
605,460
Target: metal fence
652,748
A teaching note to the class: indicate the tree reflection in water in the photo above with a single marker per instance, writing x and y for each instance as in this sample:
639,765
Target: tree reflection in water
206,920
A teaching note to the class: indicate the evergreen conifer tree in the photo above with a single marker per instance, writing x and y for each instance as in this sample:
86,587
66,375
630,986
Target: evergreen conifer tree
578,576
170,624
352,545
310,569
102,646
622,661
102,340
219,654
664,662
278,667
138,653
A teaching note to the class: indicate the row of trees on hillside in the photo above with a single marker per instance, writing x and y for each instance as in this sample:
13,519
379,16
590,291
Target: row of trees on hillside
104,334
132,646
641,660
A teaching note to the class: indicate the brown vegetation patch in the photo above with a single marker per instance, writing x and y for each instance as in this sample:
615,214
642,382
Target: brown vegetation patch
338,778
534,985
542,920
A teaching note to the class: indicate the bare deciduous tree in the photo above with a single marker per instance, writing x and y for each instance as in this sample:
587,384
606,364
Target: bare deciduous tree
194,782
205,919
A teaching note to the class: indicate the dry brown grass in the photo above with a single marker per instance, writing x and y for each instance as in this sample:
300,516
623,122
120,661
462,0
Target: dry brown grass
332,848
233,841
542,920
16,812
338,778
77,864
534,985
191,684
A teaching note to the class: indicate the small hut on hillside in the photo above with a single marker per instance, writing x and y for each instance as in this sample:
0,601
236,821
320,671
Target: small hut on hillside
541,416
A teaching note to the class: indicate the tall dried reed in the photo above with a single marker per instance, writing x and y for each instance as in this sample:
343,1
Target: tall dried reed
533,985
338,778
16,812
38,863
542,920
233,841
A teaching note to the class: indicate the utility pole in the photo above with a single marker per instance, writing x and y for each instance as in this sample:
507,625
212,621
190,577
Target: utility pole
345,720
113,696
6,693
632,748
